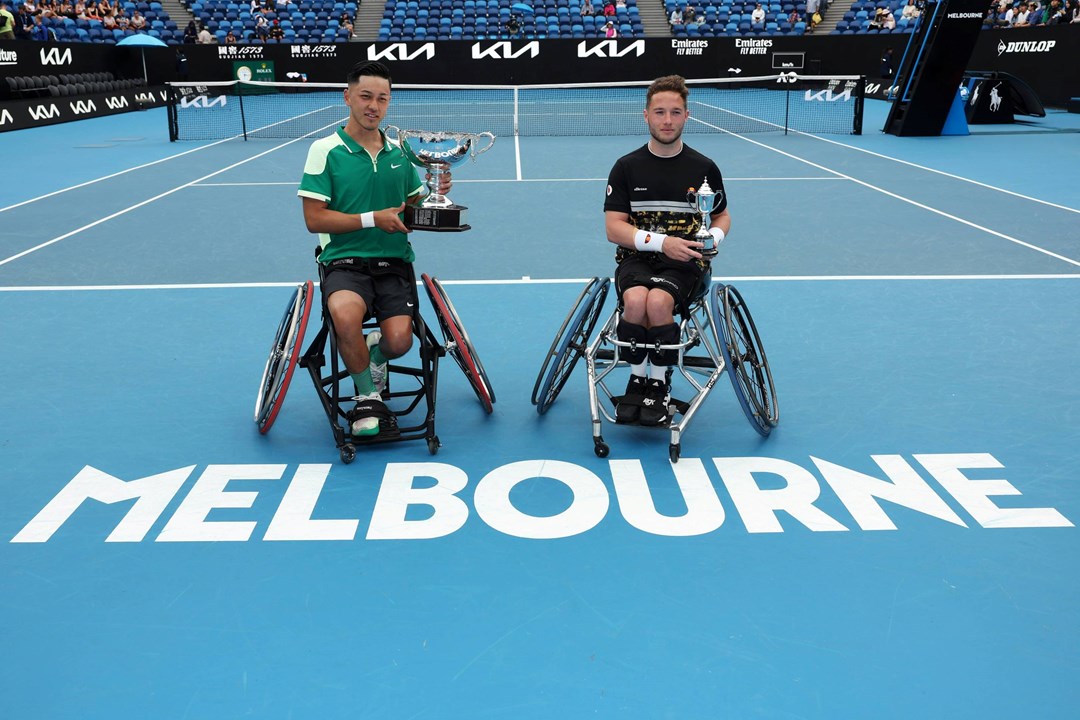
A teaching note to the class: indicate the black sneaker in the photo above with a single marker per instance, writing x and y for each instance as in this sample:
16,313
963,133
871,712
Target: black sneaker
627,409
654,408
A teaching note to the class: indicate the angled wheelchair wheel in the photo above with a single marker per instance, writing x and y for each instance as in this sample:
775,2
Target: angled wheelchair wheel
747,366
284,354
569,344
458,344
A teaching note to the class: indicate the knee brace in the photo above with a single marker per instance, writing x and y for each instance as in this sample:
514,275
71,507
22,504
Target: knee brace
631,333
663,335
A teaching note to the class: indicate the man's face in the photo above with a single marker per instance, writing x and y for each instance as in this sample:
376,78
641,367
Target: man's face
368,99
665,116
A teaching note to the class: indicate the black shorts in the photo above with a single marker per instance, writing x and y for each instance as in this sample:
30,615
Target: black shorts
383,283
681,280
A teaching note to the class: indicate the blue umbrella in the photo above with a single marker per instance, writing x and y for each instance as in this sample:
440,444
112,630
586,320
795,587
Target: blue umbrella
142,40
522,7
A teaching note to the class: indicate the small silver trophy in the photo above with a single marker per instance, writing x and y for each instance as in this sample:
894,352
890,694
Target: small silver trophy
437,152
705,201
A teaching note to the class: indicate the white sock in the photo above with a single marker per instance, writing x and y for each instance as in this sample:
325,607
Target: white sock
658,372
639,369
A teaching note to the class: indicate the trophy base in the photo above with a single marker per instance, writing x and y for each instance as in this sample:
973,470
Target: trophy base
436,219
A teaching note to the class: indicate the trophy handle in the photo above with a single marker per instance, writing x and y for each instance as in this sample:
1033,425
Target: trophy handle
397,134
491,141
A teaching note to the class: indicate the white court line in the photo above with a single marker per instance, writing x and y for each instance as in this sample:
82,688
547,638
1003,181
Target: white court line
138,205
115,174
546,281
942,172
883,191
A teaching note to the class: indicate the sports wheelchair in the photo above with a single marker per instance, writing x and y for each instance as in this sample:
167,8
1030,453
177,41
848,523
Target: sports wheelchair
405,419
717,333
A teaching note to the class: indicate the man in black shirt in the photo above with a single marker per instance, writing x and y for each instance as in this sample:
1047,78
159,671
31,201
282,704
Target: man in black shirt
660,265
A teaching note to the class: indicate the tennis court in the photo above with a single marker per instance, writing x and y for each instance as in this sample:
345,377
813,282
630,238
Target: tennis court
902,545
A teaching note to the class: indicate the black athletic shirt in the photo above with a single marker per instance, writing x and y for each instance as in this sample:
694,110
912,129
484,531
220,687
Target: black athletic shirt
652,190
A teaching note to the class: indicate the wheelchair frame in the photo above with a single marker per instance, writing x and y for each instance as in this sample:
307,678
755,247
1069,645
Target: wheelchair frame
285,355
717,334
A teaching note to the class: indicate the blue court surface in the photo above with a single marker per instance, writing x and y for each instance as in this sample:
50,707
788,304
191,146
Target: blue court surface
903,545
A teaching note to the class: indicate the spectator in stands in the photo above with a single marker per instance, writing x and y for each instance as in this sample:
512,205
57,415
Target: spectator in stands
587,8
676,16
205,38
878,19
109,21
1055,14
609,7
138,22
7,23
889,23
757,17
610,31
276,32
1074,12
262,27
619,4
812,7
345,21
41,31
1019,16
794,17
191,33
24,23
910,11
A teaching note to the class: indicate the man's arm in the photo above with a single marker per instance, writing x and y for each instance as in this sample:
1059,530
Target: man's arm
622,233
319,218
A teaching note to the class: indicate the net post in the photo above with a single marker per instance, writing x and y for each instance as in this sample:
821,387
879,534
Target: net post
174,126
243,119
860,98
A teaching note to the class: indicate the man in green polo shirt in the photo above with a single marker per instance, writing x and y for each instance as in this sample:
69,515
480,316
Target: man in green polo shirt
354,191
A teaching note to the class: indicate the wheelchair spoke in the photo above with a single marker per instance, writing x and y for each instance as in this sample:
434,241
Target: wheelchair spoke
284,354
570,344
457,343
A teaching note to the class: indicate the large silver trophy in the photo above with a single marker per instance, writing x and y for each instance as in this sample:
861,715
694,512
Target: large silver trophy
705,201
437,152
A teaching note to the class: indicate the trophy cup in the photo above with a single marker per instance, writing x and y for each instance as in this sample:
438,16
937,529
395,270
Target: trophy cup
705,201
437,152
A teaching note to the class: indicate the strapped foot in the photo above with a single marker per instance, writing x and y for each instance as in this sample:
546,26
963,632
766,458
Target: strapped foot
628,406
364,418
654,408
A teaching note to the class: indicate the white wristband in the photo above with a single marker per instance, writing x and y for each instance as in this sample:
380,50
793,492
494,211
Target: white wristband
367,220
646,241
718,234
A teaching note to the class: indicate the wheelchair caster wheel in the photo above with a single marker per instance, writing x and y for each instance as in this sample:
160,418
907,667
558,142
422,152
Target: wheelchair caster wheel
348,454
433,445
674,449
601,448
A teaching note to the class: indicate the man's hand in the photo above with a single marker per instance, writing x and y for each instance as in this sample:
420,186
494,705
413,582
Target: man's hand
388,220
681,249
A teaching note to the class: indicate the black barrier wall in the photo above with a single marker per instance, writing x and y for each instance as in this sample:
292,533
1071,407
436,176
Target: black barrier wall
1047,58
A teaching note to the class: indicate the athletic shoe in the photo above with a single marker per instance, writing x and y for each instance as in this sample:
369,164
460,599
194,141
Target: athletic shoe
654,408
365,425
378,370
627,409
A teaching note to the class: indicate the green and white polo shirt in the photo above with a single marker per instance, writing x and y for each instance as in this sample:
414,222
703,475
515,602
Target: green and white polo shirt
350,180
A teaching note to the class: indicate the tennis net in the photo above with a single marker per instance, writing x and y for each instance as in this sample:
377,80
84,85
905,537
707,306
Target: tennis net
775,103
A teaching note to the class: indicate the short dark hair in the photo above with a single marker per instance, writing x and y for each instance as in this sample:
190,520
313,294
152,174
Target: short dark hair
668,83
368,67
